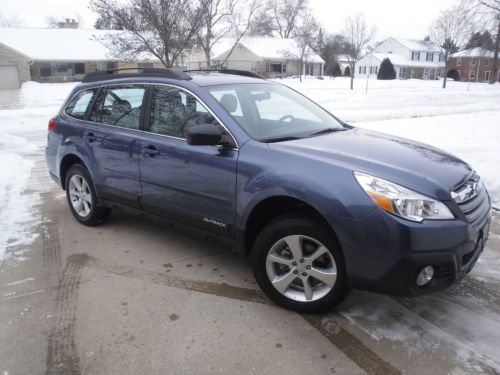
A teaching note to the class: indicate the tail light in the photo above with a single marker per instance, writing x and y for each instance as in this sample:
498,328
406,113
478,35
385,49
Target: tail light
52,125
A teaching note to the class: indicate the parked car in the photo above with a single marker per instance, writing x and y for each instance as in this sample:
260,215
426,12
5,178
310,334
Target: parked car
319,205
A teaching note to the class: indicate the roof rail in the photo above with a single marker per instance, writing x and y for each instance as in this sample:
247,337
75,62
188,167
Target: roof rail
237,72
101,75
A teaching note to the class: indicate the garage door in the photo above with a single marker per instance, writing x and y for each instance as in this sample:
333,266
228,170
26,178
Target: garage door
9,77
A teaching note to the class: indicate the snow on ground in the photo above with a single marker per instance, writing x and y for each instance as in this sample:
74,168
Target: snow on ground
23,120
462,119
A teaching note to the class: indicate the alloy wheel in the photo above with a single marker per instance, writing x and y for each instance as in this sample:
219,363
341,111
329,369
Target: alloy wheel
80,195
301,268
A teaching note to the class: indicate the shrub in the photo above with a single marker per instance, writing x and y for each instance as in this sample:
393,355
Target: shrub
386,70
453,74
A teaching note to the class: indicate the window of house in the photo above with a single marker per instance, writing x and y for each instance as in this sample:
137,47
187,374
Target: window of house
79,68
119,106
79,105
63,69
275,67
429,56
110,65
487,76
45,69
472,75
144,65
487,62
473,62
459,61
174,111
415,55
441,57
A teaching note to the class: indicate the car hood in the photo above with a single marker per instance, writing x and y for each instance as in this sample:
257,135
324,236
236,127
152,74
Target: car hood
415,165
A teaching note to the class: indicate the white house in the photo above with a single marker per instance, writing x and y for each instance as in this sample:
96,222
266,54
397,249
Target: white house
271,57
421,59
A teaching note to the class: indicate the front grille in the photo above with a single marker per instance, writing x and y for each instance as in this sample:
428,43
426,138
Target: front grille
472,199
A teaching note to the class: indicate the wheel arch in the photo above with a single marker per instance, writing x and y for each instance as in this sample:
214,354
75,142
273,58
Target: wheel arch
66,162
272,207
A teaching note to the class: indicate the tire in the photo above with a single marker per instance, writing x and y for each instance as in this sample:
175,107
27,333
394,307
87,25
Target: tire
313,239
80,189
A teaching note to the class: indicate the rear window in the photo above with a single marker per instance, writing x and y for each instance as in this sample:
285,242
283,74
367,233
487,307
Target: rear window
119,106
79,105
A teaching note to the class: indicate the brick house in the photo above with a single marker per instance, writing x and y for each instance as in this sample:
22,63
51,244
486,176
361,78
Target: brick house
474,65
57,55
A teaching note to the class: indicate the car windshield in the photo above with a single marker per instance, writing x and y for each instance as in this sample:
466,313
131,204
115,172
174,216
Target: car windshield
272,112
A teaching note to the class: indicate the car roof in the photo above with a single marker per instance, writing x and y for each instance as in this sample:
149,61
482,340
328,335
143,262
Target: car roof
151,75
220,78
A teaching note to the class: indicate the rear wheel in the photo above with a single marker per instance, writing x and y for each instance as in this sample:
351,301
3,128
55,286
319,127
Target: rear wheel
82,198
299,265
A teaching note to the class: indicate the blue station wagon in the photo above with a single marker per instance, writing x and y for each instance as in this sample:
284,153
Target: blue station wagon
320,206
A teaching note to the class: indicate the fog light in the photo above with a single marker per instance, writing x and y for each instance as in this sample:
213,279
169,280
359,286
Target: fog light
425,276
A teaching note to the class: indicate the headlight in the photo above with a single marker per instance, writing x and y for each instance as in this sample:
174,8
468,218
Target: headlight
401,201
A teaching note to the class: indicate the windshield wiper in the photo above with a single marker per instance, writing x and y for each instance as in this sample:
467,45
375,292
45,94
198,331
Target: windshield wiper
280,139
326,131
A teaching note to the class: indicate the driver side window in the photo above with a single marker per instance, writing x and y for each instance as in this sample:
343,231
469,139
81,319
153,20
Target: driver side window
119,106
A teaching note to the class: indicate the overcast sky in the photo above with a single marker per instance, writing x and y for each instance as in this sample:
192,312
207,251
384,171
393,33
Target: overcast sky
402,18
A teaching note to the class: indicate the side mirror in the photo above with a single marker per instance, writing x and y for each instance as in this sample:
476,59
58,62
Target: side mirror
204,135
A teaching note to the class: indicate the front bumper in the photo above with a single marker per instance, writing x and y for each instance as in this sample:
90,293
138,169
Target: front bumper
385,254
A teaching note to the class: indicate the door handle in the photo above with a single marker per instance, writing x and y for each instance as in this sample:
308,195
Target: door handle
89,137
150,150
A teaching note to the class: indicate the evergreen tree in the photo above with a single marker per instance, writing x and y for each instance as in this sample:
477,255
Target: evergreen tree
386,70
347,72
336,71
483,40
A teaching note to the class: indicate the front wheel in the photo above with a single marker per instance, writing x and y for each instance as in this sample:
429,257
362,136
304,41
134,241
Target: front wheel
82,198
298,264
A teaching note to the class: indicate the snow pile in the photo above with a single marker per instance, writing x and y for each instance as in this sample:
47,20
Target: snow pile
23,115
15,173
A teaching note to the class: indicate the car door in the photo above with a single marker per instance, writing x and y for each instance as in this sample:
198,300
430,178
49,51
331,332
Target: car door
114,136
192,184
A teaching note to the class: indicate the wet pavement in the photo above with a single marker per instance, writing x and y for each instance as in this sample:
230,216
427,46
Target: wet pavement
142,296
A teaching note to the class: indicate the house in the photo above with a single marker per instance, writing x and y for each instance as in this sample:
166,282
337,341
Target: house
474,65
56,55
270,57
420,59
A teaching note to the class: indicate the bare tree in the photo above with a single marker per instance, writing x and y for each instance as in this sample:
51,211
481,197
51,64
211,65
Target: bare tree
452,29
216,24
280,18
494,7
306,36
241,22
10,20
164,28
358,34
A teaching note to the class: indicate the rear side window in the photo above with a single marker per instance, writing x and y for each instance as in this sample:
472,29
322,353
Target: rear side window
174,111
78,106
119,106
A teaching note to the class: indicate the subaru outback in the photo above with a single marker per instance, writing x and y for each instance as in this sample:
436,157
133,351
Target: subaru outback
320,206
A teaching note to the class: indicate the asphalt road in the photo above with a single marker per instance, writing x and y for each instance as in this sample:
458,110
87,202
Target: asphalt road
136,296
